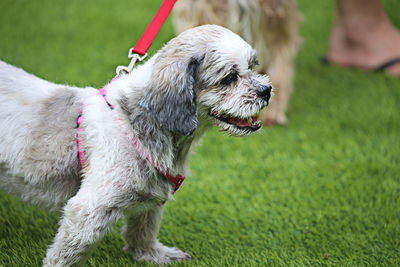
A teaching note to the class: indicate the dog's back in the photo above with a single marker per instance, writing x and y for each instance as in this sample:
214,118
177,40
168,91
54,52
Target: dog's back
20,95
37,134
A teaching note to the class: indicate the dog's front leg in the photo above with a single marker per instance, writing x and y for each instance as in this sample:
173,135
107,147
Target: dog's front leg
141,236
86,218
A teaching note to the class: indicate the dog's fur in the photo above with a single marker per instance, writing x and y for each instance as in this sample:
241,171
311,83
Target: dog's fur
270,26
201,78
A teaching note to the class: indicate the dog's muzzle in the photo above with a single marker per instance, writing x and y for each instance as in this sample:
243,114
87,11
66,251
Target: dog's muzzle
264,91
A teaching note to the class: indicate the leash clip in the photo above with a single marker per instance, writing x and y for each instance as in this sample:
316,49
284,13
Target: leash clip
134,57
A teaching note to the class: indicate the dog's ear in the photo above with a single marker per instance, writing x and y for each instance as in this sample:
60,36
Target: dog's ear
172,98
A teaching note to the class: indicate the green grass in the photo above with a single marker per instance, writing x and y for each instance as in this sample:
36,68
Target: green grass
323,191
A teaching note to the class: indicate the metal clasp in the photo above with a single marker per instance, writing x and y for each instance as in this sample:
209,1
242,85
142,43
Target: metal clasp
121,70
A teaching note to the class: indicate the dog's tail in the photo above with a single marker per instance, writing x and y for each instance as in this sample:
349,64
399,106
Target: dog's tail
22,87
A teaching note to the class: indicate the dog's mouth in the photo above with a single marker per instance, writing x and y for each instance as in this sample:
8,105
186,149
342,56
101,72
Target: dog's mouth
248,124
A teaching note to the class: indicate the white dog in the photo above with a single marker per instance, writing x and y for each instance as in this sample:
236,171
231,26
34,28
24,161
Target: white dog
153,119
270,26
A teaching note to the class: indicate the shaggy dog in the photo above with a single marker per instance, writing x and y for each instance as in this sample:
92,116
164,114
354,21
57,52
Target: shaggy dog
140,132
270,26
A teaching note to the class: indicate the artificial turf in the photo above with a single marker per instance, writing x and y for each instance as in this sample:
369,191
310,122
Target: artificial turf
323,191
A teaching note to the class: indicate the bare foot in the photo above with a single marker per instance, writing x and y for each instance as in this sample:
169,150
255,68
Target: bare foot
362,41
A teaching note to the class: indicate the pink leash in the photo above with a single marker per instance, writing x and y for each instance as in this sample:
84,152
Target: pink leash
141,48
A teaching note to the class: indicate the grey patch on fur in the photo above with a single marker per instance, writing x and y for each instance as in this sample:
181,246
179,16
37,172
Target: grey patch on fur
173,104
55,133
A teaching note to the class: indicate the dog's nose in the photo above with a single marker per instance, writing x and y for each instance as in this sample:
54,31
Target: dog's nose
264,91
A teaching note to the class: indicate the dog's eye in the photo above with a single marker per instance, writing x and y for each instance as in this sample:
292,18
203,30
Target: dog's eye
232,77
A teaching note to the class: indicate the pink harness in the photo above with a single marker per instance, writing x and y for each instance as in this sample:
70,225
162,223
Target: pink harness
134,54
176,180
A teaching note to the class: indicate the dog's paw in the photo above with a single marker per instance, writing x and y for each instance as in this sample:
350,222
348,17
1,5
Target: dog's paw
271,118
159,254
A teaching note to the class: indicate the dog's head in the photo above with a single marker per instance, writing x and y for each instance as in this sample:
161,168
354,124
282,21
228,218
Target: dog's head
207,71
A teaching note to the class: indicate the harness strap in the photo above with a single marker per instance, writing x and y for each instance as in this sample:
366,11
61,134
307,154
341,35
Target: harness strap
79,139
176,180
140,48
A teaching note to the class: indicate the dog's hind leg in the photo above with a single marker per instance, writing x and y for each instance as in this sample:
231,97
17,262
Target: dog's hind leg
141,235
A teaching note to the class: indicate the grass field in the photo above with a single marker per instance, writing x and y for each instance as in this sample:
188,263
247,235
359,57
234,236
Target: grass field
323,191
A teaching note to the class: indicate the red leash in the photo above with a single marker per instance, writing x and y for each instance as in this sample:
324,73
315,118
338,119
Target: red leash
140,48
152,30
139,51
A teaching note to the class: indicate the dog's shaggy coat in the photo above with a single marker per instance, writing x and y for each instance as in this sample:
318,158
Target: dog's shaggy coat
201,78
270,26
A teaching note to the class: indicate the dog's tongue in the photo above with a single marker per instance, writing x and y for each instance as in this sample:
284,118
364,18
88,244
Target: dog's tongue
243,122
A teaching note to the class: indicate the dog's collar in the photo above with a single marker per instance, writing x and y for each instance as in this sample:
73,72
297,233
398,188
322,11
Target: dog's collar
177,180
